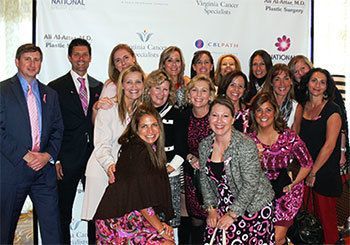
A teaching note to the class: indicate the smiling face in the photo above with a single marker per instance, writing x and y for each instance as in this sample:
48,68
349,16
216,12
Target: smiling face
235,89
282,83
264,115
300,69
227,65
173,64
203,65
317,84
123,59
148,129
199,95
259,67
29,65
80,59
220,120
160,93
133,85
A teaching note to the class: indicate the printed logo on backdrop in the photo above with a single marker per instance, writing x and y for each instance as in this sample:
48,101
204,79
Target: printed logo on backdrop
282,45
285,6
145,2
144,36
213,7
68,4
59,40
199,43
214,45
146,46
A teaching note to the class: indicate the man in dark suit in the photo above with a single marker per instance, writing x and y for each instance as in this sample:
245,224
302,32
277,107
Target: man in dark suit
77,93
31,132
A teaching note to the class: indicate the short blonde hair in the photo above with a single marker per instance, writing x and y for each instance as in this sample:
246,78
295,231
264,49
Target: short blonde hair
197,78
156,78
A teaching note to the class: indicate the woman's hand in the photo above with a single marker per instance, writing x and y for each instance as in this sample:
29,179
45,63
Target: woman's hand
288,188
103,103
110,173
260,151
310,180
227,220
212,218
194,161
169,169
167,232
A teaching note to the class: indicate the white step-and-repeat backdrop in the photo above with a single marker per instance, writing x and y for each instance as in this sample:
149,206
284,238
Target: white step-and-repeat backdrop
281,27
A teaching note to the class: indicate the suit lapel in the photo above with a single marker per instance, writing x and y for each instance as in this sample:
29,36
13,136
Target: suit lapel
94,93
18,92
19,95
43,95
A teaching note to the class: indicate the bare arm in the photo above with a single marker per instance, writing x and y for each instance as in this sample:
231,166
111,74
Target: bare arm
333,129
297,119
163,229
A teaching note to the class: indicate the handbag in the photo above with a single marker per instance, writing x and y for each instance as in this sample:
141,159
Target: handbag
282,180
307,228
212,239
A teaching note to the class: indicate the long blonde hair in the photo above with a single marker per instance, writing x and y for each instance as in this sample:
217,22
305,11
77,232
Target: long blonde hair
122,109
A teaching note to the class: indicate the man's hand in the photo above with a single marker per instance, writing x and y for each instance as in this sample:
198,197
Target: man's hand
38,160
59,170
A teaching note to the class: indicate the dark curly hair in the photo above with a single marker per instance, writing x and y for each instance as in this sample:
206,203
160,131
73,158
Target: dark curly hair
328,94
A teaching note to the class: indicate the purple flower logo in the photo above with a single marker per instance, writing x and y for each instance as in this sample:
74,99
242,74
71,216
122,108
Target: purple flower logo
199,43
283,43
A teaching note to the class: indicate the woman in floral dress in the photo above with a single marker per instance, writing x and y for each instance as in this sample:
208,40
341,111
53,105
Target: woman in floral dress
278,146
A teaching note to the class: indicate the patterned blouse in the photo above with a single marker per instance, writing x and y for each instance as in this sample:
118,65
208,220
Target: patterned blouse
277,156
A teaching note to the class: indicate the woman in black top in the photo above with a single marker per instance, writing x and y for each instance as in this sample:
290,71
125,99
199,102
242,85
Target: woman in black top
320,130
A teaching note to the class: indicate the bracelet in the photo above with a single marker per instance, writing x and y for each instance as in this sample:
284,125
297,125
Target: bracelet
230,214
343,149
162,231
312,175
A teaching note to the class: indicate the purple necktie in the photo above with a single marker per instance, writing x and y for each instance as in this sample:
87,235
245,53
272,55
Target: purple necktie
83,95
34,119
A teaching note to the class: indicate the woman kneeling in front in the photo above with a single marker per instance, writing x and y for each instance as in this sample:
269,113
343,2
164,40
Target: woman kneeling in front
130,208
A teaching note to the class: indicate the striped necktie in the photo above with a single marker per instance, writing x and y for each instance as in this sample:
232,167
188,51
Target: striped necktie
83,95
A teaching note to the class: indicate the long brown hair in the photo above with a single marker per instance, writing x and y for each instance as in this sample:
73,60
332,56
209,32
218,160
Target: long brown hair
158,156
113,73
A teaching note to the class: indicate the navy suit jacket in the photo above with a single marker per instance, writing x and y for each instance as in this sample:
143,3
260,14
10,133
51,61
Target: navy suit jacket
15,128
77,143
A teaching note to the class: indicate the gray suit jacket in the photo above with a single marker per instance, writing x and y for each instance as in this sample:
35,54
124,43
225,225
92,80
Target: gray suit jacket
248,183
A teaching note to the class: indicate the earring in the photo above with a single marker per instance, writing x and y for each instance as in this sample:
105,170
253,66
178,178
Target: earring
325,95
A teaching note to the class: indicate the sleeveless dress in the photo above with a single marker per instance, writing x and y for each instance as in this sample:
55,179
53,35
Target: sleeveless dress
249,228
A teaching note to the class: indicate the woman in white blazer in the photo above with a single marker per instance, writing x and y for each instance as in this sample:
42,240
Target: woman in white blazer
109,125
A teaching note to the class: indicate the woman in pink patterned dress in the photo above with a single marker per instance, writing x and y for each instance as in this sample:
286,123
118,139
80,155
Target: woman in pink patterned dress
278,146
